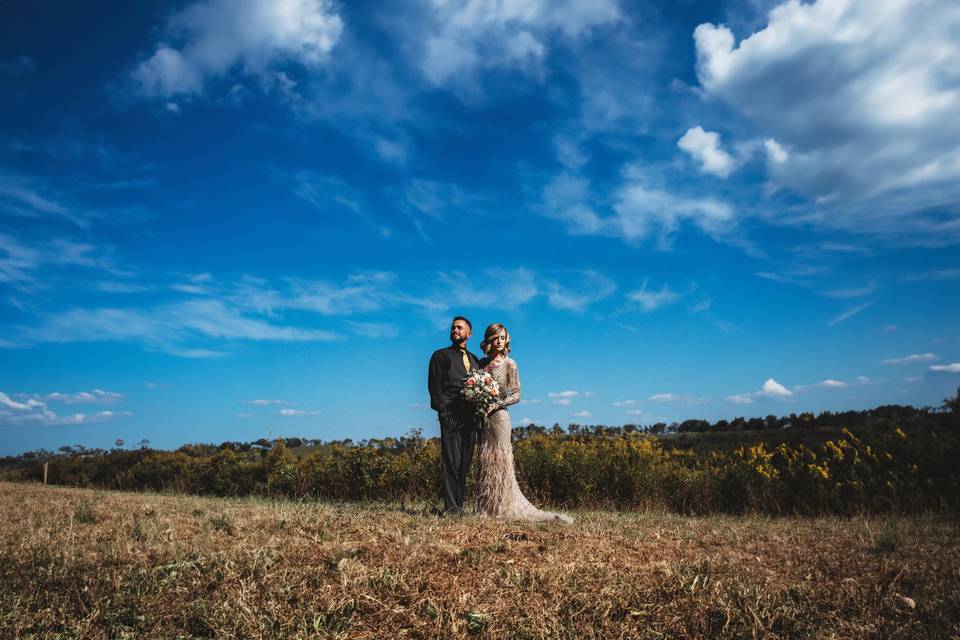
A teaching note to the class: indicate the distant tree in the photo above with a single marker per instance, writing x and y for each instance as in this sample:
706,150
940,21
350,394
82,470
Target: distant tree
952,404
118,442
694,426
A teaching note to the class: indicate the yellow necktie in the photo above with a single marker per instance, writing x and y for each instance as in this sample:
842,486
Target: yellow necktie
466,360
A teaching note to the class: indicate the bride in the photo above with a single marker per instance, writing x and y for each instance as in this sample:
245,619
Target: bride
498,494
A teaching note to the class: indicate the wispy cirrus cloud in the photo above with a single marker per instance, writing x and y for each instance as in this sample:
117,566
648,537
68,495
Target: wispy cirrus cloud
849,313
652,300
30,266
913,357
173,328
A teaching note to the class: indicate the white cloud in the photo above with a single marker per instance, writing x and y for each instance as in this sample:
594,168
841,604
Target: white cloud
578,290
652,300
524,422
23,266
849,313
836,384
496,287
642,210
35,412
663,397
581,414
624,403
704,146
96,396
168,328
913,357
563,398
946,368
774,389
863,120
213,38
466,36
770,389
297,412
262,402
776,154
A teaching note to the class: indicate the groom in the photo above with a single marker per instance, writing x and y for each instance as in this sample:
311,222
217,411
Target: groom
448,367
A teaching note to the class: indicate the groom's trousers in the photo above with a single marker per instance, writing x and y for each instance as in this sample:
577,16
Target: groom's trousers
457,436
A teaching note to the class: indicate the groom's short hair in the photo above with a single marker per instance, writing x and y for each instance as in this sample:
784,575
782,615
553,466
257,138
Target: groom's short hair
464,319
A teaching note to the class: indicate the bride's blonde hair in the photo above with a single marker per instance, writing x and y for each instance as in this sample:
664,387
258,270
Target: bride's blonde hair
492,331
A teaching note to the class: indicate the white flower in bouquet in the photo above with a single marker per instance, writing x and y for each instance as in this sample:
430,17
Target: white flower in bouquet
482,391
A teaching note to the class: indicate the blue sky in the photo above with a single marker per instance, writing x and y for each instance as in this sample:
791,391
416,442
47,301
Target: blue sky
225,220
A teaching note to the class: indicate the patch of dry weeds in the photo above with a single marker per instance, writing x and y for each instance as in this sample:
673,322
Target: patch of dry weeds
97,564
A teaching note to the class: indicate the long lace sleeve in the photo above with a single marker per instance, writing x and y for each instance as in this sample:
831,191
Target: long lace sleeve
511,392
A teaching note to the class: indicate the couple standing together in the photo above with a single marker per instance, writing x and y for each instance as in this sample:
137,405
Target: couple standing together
497,492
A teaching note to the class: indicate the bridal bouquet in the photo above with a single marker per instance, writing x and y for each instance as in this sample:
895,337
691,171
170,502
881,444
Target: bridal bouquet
480,390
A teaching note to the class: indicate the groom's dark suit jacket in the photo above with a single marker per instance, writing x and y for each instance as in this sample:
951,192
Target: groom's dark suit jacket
445,377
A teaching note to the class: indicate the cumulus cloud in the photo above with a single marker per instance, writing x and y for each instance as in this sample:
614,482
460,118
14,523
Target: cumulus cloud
563,398
262,402
913,357
704,147
581,414
946,368
212,38
36,412
774,389
770,389
863,118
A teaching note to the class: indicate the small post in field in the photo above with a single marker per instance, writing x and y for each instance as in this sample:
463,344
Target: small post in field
46,467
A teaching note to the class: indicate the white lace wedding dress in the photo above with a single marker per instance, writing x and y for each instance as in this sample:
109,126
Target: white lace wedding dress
497,492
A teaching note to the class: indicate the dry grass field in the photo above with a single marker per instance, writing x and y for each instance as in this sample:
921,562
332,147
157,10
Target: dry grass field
95,564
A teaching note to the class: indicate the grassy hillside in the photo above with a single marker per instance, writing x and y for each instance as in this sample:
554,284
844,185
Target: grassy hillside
97,564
